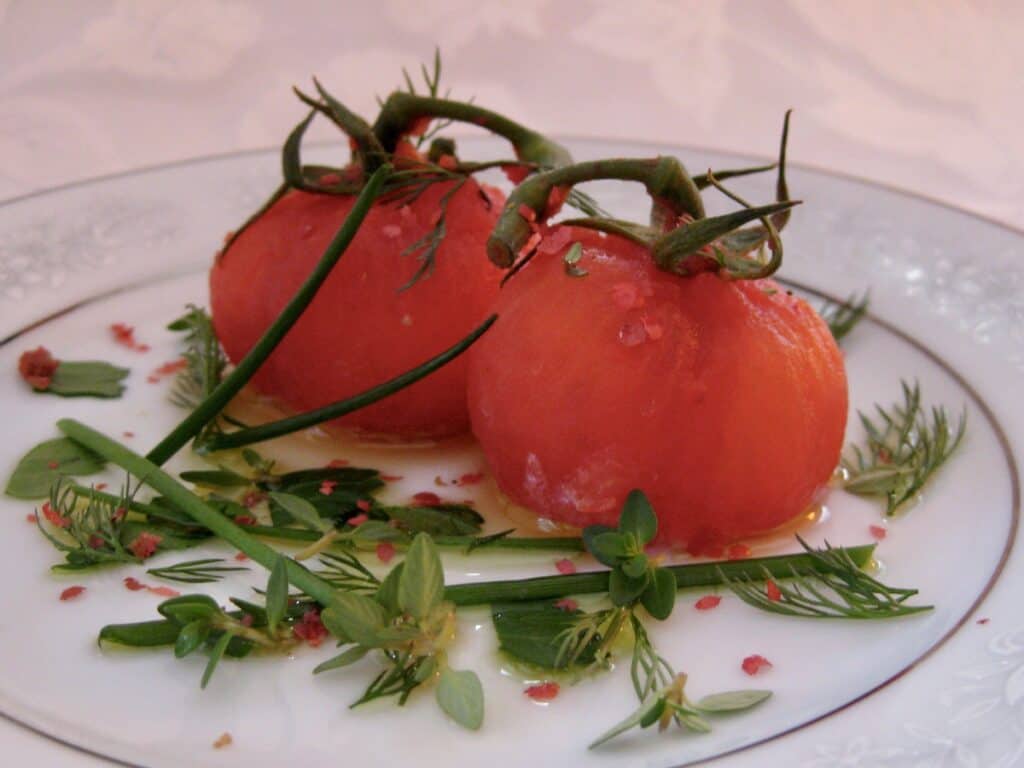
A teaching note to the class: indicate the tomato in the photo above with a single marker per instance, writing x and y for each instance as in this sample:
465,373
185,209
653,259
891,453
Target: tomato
361,329
725,401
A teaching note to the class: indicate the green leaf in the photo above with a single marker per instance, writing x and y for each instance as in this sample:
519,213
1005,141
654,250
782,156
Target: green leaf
653,704
47,463
624,590
590,535
191,636
216,654
660,595
609,547
442,520
635,566
638,517
462,697
732,701
215,478
421,586
303,511
652,715
534,632
87,378
426,669
356,618
189,608
387,592
343,659
374,531
277,593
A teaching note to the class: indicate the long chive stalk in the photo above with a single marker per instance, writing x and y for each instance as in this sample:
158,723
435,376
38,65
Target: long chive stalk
335,410
515,543
192,424
182,498
687,576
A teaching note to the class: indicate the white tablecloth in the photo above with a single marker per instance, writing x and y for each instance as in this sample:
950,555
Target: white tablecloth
927,95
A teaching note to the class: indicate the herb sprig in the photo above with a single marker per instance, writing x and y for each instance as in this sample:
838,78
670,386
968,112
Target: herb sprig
840,590
906,444
203,571
843,316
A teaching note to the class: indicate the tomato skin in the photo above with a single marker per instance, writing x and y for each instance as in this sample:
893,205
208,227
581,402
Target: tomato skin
724,401
360,330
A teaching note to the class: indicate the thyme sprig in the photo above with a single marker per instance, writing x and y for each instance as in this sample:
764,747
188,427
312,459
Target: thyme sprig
843,316
906,444
203,571
840,591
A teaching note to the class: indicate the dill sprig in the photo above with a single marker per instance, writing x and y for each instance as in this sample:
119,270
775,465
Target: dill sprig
343,570
844,591
906,444
206,359
843,316
90,526
202,571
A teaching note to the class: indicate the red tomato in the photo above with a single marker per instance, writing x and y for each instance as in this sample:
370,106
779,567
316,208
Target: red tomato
724,401
360,330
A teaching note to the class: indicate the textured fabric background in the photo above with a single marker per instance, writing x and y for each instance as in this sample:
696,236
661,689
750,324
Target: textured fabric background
924,94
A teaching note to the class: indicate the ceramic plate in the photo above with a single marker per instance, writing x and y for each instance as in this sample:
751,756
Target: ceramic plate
943,688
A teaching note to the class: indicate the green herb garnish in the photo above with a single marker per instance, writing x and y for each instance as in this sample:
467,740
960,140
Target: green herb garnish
843,316
905,445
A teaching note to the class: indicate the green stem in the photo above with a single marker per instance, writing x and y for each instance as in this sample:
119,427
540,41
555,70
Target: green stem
308,419
673,193
182,498
304,536
402,109
687,577
690,576
230,386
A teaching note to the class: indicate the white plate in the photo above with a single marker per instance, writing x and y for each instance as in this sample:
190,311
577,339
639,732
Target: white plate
936,689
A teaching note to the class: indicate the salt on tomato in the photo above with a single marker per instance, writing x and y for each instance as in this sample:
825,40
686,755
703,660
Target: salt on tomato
361,329
724,401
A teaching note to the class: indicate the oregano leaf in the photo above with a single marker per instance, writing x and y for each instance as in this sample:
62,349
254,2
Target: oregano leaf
47,463
461,696
421,586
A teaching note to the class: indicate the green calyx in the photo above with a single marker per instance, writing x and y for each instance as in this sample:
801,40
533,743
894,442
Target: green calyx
682,238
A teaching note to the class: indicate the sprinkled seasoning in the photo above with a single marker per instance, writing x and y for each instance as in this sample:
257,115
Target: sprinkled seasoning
54,517
878,532
327,487
753,665
707,602
132,584
310,629
543,691
385,551
125,336
363,504
337,463
37,367
565,566
357,520
771,589
164,591
71,593
471,478
145,544
427,499
224,740
167,369
566,604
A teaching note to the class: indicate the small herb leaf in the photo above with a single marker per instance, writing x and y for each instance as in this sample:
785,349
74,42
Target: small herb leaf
421,586
343,659
653,704
216,654
732,701
638,517
354,617
609,547
277,593
191,636
47,463
624,590
189,608
461,696
87,378
303,511
215,478
660,595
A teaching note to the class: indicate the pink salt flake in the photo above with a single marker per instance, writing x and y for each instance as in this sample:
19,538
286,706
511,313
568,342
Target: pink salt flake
385,551
752,665
878,532
565,566
707,602
566,604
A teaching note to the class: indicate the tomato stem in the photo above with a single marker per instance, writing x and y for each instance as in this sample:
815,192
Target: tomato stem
402,109
207,410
